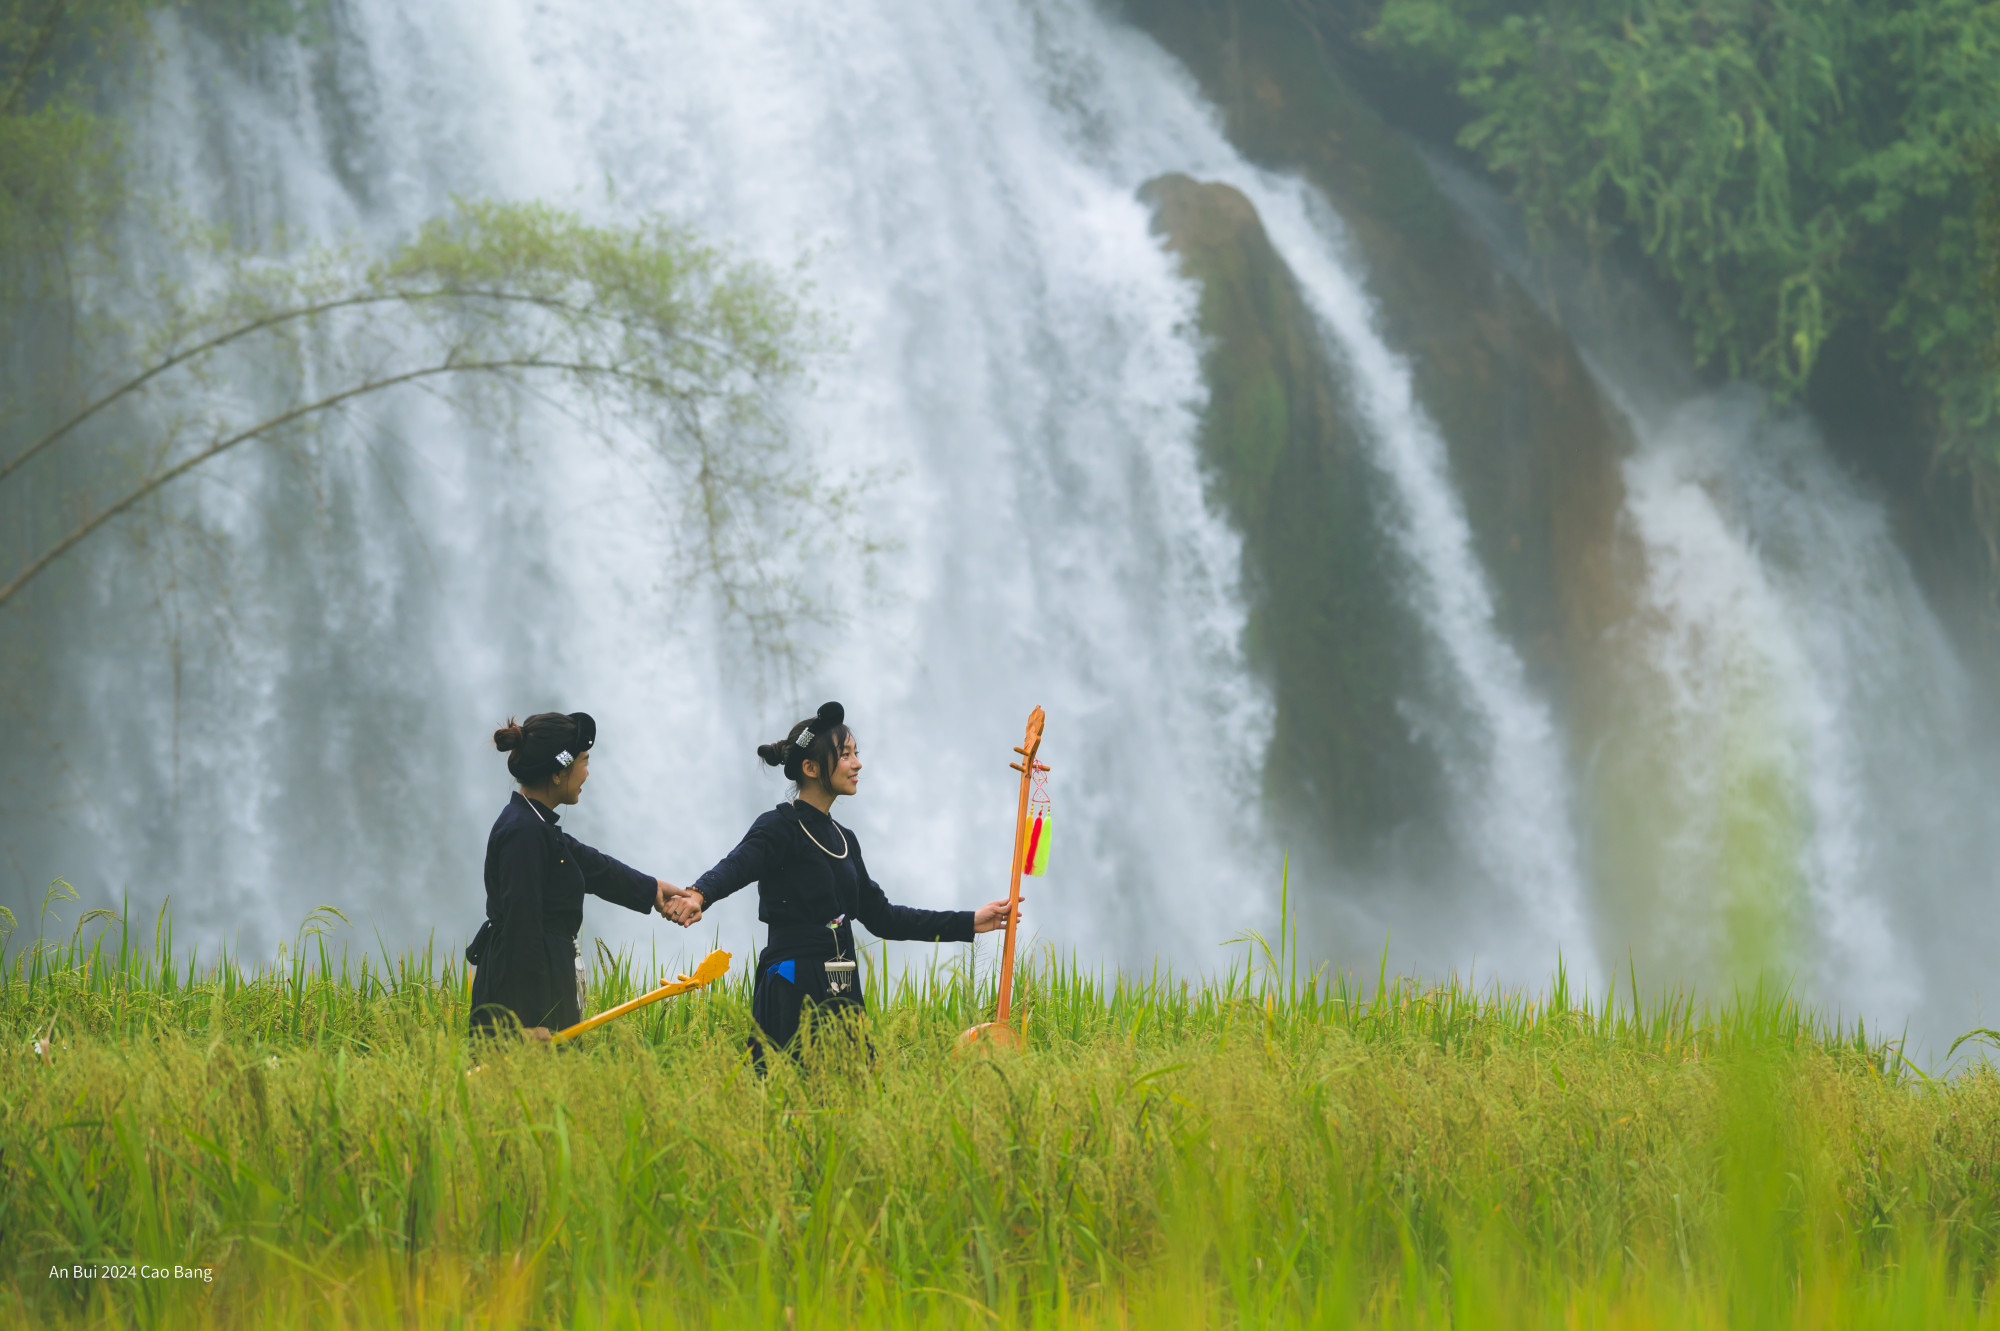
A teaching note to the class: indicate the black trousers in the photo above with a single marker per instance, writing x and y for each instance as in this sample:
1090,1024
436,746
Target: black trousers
778,1003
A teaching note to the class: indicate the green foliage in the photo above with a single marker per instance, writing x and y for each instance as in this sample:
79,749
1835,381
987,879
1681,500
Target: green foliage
1261,1148
57,152
1789,167
1989,247
59,145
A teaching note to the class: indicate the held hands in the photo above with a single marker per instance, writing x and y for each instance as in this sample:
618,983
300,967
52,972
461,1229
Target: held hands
991,916
684,907
672,902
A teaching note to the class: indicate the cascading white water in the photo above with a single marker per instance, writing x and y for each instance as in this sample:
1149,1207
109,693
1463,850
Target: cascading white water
1808,770
1019,360
1504,756
1019,369
1777,617
291,706
1006,149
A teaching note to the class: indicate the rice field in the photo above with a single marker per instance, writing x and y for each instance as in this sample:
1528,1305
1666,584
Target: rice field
312,1141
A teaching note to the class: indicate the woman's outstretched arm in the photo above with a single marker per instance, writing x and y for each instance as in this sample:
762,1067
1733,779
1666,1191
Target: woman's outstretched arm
758,854
618,882
885,919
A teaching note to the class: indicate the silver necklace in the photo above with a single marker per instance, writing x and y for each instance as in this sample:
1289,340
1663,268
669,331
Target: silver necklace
815,840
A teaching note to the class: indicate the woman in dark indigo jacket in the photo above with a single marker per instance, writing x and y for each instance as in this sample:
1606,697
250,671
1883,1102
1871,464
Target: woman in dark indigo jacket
536,876
812,884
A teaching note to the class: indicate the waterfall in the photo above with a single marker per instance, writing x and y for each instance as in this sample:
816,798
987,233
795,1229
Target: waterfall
1019,378
1020,365
1799,775
276,689
1517,856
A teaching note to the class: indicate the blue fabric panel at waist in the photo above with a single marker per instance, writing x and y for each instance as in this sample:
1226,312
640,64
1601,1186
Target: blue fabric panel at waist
787,970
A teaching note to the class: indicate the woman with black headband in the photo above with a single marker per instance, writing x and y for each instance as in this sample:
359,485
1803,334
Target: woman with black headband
812,884
536,875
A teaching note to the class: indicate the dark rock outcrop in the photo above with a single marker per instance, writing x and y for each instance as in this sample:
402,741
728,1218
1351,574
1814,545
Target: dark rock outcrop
1533,445
1327,626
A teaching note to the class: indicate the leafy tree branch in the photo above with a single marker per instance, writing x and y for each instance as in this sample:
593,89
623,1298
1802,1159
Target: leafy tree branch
644,333
60,159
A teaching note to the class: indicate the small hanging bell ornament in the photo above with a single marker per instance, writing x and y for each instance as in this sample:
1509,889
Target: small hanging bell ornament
840,973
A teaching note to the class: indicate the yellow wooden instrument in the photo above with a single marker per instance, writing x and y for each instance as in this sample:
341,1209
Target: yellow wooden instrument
998,1031
713,967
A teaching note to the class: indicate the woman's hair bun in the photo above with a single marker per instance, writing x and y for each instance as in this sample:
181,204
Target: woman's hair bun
535,748
819,738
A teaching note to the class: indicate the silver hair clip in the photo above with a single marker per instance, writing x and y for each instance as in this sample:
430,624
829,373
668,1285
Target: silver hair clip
805,738
565,758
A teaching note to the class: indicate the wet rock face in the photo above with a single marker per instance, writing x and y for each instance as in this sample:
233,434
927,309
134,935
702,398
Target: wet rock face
1532,445
1326,623
1534,449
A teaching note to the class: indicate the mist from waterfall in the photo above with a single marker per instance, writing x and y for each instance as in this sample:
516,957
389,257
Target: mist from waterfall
1800,772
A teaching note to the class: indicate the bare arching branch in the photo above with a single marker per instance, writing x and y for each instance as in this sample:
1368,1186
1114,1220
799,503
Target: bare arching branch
655,334
270,426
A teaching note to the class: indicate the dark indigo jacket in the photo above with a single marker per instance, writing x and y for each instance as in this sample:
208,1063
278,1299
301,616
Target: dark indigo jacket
536,877
800,888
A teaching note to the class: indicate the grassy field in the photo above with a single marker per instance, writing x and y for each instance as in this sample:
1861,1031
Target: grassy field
1267,1149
